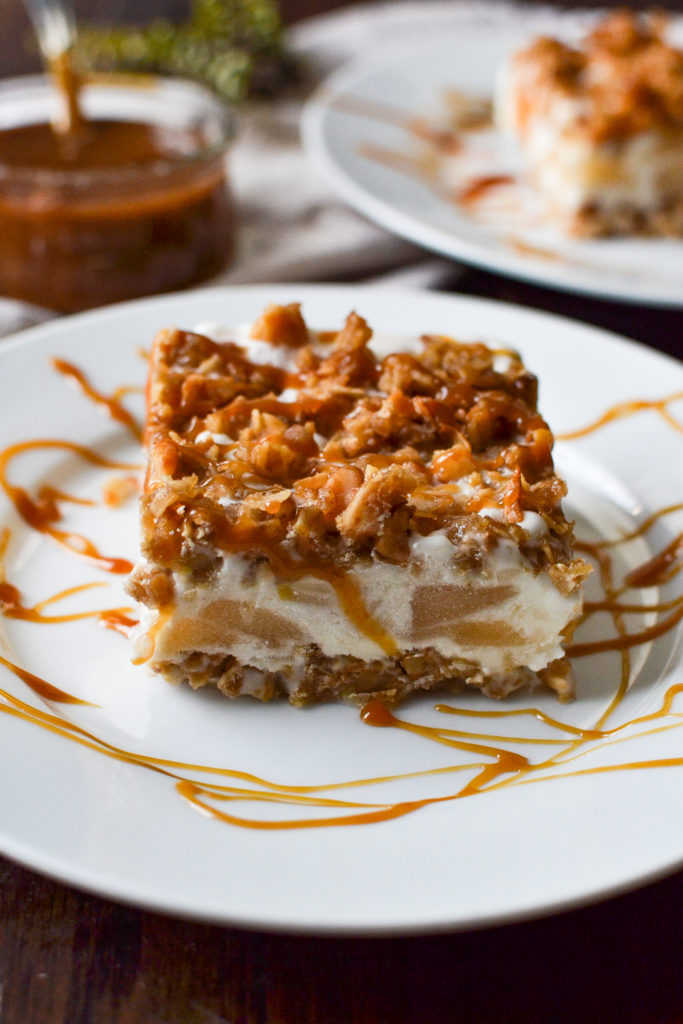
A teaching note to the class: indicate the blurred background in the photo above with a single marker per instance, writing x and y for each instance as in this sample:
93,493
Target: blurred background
18,53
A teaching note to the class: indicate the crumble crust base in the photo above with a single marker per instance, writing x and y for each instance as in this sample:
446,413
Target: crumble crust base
354,681
596,222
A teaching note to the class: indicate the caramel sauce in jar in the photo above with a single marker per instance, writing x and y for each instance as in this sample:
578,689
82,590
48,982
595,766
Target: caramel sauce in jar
134,202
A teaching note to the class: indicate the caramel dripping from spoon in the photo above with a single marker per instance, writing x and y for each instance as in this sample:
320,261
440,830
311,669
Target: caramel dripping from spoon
55,28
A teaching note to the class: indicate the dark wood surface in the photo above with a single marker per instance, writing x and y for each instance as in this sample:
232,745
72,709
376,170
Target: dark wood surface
66,958
72,958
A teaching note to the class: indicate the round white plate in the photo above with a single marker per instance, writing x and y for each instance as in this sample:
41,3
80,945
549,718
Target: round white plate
357,129
121,828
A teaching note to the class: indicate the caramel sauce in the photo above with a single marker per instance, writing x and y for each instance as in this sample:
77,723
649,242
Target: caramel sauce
477,188
627,640
374,110
622,409
98,145
659,569
68,84
12,607
118,619
504,761
52,495
41,515
440,142
643,527
95,210
110,403
45,690
404,163
290,570
505,767
151,635
423,168
444,140
525,248
353,606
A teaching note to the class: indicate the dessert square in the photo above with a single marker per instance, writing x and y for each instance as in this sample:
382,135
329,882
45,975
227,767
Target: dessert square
600,127
323,522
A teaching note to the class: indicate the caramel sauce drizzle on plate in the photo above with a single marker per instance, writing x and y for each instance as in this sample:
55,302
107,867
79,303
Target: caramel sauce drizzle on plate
42,514
12,605
490,765
472,115
110,403
477,188
622,409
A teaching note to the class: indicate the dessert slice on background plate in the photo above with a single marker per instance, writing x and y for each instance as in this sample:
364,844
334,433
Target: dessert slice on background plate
327,519
600,126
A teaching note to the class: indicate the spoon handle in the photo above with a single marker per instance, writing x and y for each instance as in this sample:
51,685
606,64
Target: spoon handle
55,26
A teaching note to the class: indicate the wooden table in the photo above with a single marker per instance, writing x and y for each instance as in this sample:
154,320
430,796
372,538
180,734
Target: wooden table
71,958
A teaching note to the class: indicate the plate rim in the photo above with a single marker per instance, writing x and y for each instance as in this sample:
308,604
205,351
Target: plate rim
26,335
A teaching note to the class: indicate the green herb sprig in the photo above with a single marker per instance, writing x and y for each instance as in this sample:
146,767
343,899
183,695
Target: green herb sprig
235,47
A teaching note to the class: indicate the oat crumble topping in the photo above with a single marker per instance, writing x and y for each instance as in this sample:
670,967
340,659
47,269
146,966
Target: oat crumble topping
371,452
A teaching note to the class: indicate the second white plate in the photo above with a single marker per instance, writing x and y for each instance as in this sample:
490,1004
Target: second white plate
357,128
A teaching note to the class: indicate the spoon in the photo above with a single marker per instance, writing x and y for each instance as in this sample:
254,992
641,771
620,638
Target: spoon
55,26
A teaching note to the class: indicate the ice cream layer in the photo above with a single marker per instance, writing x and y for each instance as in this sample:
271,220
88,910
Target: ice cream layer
501,617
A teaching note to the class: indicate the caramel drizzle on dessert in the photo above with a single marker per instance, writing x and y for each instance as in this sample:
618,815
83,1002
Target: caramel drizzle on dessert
491,767
465,114
657,570
283,470
423,168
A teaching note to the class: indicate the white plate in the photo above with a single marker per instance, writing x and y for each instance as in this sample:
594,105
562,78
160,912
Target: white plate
121,829
347,125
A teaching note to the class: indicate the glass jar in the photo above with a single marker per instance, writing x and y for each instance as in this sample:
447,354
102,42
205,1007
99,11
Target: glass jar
143,207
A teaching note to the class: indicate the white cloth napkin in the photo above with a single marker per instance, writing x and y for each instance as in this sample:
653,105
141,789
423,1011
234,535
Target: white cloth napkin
292,226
